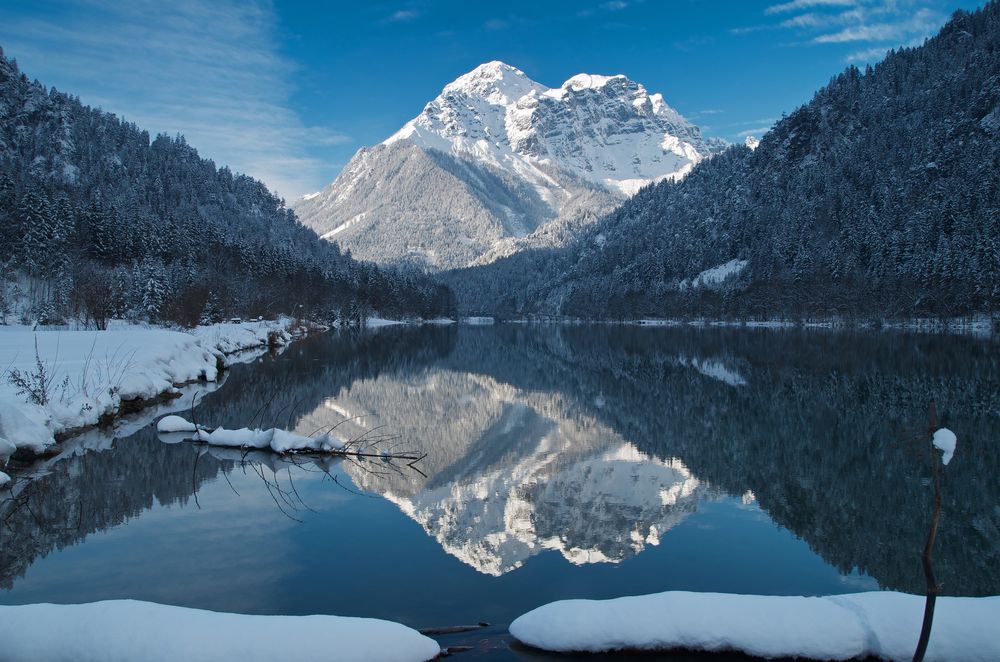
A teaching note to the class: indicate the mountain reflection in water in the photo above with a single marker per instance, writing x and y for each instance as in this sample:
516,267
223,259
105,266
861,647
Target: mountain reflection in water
594,442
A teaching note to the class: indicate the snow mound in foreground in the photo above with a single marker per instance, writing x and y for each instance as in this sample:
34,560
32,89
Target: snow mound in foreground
841,627
126,630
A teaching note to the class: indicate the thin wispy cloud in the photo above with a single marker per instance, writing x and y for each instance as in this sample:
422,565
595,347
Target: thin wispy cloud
756,131
797,5
762,120
705,113
877,52
606,7
924,21
402,16
757,127
867,54
883,23
496,24
811,20
210,70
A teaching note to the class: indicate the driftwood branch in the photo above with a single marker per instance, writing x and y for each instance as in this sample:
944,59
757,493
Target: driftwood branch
927,558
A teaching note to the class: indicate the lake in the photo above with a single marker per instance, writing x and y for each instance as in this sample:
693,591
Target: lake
561,462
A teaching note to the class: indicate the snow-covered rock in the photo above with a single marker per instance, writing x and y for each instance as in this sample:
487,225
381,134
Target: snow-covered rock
885,625
174,423
945,441
498,156
127,630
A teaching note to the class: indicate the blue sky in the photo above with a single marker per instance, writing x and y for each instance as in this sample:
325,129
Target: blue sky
288,91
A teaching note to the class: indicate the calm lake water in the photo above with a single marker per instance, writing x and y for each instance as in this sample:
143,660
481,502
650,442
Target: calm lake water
562,462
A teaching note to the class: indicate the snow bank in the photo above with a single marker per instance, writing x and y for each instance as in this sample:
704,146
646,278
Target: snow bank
4,479
129,630
279,441
945,440
841,627
379,322
231,337
21,424
92,372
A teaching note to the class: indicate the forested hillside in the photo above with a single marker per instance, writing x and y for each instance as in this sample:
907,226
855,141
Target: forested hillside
97,221
880,197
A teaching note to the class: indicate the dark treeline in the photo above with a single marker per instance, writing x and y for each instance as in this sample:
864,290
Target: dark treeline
97,221
878,198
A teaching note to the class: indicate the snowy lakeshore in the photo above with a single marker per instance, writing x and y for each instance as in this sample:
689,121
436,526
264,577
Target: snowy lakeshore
978,325
56,382
126,630
883,624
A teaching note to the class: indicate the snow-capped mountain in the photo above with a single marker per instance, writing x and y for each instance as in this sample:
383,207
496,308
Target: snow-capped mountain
497,155
607,130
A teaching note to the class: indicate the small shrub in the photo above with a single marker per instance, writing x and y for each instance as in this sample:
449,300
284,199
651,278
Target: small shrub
36,385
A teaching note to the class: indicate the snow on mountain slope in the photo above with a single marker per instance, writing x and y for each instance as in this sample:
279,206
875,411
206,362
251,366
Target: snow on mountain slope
604,129
504,156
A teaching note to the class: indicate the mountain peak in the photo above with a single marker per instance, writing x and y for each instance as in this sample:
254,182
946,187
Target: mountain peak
494,69
496,81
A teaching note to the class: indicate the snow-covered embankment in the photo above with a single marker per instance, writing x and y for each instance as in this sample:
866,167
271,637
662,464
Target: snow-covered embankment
884,625
79,378
126,630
